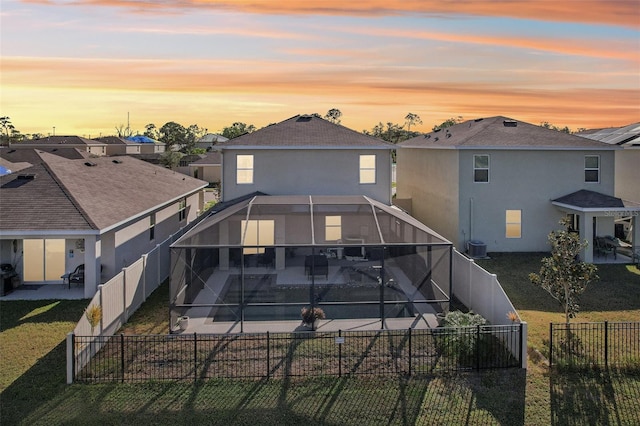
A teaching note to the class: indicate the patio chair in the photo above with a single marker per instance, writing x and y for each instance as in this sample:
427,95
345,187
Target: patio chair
76,277
267,258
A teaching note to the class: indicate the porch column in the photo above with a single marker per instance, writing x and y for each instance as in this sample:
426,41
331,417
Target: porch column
586,233
91,268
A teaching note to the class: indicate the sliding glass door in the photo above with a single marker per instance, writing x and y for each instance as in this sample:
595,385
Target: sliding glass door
44,260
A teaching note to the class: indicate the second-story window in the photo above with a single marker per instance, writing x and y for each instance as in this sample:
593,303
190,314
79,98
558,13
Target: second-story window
481,168
244,169
592,168
367,169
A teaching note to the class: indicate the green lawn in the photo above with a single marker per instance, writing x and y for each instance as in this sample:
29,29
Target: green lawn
32,375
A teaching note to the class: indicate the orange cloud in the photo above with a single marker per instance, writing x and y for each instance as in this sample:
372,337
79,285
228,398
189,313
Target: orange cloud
619,12
93,91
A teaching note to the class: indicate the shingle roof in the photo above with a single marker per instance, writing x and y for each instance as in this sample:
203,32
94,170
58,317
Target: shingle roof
305,132
595,200
38,203
212,158
500,133
59,140
94,193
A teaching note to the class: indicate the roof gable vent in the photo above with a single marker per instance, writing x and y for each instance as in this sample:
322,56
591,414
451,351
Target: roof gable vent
510,123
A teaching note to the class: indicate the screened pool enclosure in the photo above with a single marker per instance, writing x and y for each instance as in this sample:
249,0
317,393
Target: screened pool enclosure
266,258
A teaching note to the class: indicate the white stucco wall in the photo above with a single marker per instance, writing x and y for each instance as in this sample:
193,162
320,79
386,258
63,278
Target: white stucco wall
308,172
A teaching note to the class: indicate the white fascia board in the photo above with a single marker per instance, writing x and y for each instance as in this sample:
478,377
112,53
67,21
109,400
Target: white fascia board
48,233
596,209
305,148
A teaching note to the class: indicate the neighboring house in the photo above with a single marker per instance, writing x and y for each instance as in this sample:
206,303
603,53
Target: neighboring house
131,145
66,209
306,219
209,140
90,146
627,175
208,168
306,155
502,185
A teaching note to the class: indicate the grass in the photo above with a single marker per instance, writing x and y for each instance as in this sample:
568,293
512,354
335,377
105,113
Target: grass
33,391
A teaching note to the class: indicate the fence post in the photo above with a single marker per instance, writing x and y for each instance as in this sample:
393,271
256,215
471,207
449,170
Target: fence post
195,357
71,356
340,355
268,355
550,344
477,347
606,344
122,355
410,354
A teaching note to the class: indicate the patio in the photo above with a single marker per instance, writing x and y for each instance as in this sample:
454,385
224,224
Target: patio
254,265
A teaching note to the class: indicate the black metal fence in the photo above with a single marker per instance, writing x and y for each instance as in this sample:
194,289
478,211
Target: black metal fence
129,358
595,344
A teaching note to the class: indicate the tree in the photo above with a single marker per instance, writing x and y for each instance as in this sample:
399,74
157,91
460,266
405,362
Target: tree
170,159
172,134
151,131
8,130
562,274
412,118
448,123
333,115
123,132
550,126
237,129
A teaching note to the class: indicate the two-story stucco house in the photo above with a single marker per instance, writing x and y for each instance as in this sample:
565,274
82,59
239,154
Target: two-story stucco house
502,184
62,208
306,220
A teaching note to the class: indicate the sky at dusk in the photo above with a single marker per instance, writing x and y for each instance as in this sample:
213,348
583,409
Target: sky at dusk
85,67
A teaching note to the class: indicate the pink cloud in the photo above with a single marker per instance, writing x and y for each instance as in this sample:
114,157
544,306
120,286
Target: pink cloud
619,12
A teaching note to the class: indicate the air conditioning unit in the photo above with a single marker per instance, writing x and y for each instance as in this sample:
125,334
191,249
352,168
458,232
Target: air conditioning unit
477,249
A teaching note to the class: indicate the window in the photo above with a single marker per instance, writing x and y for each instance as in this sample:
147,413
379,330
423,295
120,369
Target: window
182,210
257,233
244,169
152,226
514,223
333,228
592,168
481,168
367,169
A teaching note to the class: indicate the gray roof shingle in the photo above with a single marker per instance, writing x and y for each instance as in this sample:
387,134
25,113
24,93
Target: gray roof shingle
594,200
500,133
305,132
87,193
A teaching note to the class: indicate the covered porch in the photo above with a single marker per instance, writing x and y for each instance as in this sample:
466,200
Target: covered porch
609,224
260,261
